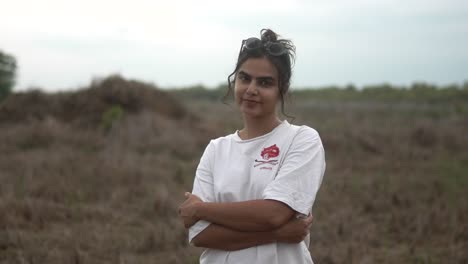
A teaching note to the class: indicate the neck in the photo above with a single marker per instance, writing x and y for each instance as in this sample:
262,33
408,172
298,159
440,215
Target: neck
255,127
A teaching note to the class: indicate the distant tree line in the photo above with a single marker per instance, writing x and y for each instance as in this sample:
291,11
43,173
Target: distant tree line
417,92
7,74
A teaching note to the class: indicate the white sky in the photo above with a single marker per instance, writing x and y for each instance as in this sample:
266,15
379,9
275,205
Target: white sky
64,44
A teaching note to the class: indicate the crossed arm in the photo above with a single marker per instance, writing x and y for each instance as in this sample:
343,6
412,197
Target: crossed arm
240,225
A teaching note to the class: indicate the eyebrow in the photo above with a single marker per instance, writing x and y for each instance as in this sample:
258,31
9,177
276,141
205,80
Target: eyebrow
266,78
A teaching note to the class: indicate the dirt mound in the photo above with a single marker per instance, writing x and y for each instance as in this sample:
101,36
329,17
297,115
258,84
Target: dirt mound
113,95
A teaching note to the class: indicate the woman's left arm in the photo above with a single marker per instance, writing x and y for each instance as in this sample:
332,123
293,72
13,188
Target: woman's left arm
253,215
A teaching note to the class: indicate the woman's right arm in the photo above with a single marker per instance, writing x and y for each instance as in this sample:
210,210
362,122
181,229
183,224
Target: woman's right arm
223,238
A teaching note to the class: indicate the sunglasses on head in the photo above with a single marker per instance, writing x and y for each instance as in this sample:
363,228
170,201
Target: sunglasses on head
273,48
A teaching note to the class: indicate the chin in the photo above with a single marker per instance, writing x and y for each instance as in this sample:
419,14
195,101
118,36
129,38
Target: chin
252,114
249,113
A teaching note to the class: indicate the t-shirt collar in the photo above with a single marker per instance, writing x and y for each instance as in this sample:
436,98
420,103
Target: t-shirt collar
238,139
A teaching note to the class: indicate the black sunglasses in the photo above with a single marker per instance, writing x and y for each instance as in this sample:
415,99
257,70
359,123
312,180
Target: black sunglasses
273,48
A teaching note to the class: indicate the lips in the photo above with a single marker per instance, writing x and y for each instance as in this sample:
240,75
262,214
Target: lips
250,100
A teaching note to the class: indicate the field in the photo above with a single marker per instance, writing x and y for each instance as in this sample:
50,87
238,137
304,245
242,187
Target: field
96,175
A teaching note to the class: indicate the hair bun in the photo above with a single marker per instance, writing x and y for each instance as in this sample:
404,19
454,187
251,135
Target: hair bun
267,35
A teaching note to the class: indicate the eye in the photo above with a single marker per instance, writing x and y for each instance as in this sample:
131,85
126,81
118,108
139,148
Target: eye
242,78
265,83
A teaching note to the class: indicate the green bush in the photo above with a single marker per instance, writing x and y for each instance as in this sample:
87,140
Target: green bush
7,74
111,116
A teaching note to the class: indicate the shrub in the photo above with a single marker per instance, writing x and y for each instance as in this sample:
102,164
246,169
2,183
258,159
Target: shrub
7,74
111,116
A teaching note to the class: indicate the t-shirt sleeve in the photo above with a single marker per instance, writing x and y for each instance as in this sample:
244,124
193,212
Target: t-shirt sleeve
203,187
300,175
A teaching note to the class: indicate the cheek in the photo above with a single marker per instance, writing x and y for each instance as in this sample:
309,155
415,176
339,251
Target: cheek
274,97
239,89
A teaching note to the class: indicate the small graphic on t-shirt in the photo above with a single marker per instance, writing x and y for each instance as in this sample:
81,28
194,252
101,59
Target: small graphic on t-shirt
268,153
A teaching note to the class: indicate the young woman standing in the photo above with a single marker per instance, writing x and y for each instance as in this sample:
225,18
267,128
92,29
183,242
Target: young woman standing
254,189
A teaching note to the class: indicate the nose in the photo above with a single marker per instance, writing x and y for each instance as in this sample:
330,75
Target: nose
252,89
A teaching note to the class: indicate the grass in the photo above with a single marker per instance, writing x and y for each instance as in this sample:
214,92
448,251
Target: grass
70,192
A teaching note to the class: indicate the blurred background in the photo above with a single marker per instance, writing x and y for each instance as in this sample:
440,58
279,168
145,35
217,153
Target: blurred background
107,106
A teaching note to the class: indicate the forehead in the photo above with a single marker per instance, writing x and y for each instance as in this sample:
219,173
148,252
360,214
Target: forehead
259,67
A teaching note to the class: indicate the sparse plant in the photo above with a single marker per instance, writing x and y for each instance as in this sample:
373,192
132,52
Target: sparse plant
110,117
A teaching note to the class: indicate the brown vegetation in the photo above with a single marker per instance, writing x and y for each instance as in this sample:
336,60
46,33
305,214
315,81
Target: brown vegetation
96,175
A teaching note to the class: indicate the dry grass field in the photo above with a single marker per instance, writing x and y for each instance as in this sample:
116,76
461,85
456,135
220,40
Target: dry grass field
96,175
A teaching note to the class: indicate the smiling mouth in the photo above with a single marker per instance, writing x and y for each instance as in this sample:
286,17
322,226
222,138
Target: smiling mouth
251,101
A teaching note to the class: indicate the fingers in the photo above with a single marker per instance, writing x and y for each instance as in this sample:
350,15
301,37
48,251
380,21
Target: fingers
307,222
309,219
185,203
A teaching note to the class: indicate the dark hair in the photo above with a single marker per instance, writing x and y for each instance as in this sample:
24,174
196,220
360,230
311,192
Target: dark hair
283,63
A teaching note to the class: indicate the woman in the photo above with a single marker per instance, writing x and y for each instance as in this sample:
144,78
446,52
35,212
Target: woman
254,189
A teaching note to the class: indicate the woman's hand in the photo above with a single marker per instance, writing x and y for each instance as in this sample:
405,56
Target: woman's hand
188,209
294,231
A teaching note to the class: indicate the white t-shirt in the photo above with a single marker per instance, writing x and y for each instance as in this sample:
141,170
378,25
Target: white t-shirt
286,165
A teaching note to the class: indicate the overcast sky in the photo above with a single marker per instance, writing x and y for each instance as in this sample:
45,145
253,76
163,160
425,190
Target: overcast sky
63,44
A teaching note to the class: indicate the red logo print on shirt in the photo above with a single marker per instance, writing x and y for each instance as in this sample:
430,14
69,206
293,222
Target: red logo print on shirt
267,153
270,152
